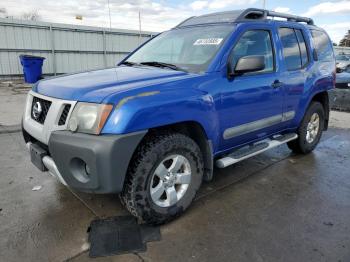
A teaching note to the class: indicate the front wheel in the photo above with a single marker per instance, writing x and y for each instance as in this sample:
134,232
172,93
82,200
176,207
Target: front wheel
163,178
310,130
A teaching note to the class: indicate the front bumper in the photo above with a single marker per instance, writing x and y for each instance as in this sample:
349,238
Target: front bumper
89,163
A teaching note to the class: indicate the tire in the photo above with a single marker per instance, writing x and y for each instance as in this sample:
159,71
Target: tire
305,144
146,168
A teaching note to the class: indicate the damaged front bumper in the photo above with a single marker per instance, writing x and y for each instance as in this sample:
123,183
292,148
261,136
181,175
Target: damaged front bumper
87,163
45,162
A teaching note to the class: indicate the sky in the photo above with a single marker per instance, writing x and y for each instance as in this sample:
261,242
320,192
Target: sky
161,15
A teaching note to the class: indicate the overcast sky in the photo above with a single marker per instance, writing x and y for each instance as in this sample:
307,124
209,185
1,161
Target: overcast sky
160,15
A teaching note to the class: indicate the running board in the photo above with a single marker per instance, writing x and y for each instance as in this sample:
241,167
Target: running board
253,150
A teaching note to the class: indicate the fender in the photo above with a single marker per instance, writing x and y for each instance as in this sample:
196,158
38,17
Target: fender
321,84
153,108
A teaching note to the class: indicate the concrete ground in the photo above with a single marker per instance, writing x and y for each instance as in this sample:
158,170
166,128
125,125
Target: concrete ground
273,207
339,119
12,99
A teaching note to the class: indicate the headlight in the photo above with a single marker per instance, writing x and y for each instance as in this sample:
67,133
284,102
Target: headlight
89,118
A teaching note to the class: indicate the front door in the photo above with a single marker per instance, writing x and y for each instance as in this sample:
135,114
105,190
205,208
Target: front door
252,103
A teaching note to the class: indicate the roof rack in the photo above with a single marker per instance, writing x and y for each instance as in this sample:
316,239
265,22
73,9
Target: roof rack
255,13
235,16
293,18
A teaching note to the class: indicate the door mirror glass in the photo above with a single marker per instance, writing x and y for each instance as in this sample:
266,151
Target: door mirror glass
249,64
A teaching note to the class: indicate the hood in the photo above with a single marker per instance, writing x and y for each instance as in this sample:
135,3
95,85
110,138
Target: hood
94,86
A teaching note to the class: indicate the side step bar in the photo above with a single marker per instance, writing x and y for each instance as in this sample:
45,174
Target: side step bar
253,150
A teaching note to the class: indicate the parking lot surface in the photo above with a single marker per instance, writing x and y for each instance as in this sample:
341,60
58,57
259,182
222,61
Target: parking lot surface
12,99
273,207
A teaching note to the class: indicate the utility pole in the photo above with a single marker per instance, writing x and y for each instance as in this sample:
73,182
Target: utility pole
140,29
264,4
110,19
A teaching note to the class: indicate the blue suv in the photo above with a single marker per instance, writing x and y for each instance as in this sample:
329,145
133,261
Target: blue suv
214,90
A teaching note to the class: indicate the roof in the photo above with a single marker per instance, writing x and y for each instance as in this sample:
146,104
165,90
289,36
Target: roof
236,16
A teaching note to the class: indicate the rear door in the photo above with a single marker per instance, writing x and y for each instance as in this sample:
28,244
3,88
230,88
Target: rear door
294,69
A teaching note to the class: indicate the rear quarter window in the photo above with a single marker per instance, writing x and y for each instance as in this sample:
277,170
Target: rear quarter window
323,45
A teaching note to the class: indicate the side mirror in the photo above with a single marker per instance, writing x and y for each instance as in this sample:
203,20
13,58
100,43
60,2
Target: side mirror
247,64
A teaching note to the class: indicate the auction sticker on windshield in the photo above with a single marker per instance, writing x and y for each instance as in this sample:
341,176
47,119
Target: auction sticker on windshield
208,41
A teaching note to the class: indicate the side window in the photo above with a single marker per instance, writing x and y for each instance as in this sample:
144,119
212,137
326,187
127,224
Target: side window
291,50
255,42
302,47
323,46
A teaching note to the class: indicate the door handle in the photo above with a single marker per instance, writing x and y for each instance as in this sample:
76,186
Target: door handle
277,83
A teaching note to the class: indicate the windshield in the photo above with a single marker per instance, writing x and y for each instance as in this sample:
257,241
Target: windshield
342,57
189,49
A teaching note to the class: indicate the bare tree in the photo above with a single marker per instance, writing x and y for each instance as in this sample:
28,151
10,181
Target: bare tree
31,15
346,40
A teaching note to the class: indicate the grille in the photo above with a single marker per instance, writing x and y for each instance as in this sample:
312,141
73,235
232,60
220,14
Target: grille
64,115
45,106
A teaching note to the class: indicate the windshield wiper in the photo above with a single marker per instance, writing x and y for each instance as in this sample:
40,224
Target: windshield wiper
161,64
128,63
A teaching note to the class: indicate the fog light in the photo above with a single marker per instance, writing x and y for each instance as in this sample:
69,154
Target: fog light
80,170
87,169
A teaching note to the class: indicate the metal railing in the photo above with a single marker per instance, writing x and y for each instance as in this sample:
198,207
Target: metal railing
342,50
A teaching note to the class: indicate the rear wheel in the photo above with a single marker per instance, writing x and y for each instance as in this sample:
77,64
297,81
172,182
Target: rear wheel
163,177
310,129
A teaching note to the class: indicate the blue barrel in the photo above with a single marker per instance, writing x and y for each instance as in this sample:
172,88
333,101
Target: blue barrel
32,67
